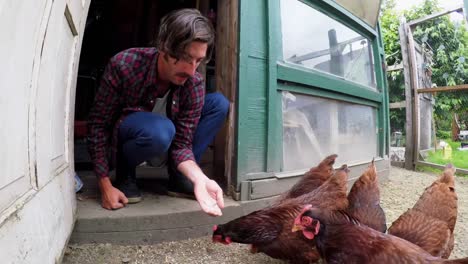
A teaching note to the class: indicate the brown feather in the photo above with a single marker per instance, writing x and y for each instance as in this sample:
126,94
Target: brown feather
342,239
437,208
312,179
364,200
269,229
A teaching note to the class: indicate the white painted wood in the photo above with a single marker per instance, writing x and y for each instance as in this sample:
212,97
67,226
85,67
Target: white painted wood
20,29
37,233
53,91
39,53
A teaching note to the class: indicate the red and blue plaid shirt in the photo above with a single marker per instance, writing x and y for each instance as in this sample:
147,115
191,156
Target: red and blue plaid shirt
129,84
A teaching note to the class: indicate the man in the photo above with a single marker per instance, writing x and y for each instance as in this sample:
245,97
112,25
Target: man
151,103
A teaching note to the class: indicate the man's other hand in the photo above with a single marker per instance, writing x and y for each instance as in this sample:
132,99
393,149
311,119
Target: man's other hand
111,197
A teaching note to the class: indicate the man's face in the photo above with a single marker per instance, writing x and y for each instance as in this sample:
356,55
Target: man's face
178,71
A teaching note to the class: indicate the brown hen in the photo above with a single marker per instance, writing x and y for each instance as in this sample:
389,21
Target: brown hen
269,230
312,179
364,200
340,238
430,223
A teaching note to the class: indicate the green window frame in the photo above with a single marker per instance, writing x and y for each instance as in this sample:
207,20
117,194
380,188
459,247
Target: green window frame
317,83
263,75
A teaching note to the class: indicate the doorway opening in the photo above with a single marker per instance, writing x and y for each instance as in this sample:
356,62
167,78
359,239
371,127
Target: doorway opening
116,25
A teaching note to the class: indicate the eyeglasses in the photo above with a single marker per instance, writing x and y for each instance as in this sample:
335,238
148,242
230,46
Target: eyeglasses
186,58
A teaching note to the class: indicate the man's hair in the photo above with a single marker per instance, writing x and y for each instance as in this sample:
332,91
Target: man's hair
181,27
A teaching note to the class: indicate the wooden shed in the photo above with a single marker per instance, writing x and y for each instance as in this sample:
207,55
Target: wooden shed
305,79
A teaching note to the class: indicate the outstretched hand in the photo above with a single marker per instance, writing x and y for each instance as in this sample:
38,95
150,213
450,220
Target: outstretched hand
210,196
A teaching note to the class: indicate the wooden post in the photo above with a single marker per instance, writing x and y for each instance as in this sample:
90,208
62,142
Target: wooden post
414,84
408,95
336,59
455,127
226,83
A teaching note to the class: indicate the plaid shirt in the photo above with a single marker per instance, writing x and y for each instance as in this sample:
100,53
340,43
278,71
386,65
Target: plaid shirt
129,84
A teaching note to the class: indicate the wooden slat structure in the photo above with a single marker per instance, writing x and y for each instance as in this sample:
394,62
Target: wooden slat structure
396,67
413,23
395,105
414,92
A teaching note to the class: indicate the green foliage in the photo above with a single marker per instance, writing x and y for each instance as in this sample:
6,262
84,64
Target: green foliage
443,134
449,43
435,171
428,169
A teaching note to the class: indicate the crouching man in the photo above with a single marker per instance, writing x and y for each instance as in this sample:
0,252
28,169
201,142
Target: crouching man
152,103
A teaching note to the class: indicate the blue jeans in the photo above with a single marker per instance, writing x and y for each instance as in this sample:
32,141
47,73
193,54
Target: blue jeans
144,135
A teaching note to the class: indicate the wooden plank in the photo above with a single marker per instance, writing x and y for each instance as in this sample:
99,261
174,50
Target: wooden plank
226,83
395,67
284,181
401,104
408,95
414,84
443,89
320,53
432,16
251,141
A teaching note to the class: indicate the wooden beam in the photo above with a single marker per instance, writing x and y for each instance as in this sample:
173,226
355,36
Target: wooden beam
226,83
395,67
444,89
401,104
413,68
408,95
432,16
320,53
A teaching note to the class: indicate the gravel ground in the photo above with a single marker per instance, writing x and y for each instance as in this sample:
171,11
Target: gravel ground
398,194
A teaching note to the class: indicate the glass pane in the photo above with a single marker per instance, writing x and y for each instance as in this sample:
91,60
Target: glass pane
316,41
314,127
367,10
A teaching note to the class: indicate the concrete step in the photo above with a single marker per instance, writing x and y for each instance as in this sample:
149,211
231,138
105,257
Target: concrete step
155,219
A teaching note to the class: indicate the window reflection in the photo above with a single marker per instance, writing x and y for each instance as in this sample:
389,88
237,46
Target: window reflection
315,127
314,40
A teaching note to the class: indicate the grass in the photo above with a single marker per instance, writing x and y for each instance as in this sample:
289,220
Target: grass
436,171
431,170
459,158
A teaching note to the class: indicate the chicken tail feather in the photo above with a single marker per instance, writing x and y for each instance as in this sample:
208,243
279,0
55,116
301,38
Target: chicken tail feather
448,176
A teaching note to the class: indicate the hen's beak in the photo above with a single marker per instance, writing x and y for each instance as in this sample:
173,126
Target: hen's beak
296,228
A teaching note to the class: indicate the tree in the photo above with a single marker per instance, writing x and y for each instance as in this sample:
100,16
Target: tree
449,42
390,22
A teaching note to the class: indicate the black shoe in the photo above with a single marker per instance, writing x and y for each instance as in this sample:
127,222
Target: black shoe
130,189
180,186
